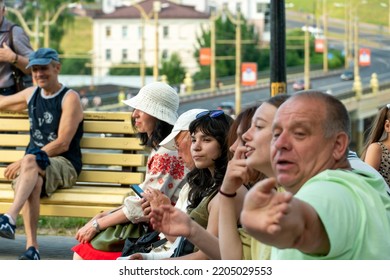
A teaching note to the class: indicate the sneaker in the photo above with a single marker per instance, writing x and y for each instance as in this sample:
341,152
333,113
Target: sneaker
30,254
7,230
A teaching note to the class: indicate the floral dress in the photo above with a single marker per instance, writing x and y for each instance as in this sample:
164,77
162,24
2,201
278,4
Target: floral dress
164,171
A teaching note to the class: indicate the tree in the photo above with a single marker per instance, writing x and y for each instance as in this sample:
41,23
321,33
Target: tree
173,69
33,10
226,30
295,56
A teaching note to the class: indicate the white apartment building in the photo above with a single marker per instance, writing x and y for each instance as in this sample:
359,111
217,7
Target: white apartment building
117,34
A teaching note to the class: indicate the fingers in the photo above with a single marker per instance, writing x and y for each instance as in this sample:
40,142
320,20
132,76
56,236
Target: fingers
240,152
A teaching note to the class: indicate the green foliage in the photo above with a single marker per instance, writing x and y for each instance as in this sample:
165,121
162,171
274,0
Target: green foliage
173,69
295,55
226,30
75,66
129,71
31,10
371,12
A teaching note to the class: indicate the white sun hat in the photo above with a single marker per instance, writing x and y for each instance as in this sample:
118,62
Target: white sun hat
158,100
182,123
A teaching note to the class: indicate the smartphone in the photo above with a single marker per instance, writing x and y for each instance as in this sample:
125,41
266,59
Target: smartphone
137,190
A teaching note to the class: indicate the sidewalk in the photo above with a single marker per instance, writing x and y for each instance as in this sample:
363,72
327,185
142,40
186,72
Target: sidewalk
51,247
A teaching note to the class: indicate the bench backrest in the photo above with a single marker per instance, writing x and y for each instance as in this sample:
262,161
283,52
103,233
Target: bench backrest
112,154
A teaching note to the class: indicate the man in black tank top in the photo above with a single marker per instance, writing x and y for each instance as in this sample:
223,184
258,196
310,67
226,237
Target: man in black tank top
53,156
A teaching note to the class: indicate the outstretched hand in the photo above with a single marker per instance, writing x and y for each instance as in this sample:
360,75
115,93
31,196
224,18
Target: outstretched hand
170,221
264,211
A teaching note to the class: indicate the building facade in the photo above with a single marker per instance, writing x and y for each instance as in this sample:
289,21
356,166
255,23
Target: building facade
122,33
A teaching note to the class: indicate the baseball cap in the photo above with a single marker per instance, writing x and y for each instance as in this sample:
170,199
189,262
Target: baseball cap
42,56
182,123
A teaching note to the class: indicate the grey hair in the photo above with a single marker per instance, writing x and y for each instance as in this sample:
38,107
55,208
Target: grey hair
336,115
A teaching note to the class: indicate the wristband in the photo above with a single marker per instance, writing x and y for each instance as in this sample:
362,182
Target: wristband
227,194
41,157
16,59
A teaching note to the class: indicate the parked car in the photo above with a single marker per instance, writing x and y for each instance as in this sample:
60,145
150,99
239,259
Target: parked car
346,76
228,107
298,85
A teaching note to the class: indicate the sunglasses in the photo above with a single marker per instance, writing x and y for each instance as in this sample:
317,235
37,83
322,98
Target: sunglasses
211,114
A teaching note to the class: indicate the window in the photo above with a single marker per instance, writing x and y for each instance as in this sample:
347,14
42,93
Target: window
261,8
124,55
165,31
267,20
164,54
108,31
140,31
124,32
108,54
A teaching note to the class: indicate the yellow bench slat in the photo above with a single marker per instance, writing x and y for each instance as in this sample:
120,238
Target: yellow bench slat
118,116
108,127
121,143
114,159
115,143
102,184
14,125
119,177
123,178
136,160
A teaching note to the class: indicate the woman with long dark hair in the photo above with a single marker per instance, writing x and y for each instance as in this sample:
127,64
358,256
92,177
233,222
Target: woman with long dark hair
155,113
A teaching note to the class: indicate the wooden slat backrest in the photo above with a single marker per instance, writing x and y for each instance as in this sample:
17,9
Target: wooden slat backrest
110,147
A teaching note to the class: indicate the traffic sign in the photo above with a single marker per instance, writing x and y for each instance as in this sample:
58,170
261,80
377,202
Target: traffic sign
319,45
364,57
249,74
205,56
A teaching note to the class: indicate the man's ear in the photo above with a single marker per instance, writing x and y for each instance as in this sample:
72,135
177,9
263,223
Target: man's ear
340,145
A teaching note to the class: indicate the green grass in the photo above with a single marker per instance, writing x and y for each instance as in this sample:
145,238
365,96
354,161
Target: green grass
66,226
372,12
78,37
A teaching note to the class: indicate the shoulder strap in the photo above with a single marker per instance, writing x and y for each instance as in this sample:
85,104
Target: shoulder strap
11,37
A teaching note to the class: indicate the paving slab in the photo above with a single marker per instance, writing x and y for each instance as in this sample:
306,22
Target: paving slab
51,247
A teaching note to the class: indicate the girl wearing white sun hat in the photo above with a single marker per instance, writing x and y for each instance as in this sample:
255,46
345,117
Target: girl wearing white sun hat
155,113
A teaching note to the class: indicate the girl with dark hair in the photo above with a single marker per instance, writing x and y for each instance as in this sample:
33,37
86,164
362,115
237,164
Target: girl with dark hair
155,113
376,151
253,152
209,151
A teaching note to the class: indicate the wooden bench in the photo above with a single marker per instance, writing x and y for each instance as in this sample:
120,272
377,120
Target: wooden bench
113,159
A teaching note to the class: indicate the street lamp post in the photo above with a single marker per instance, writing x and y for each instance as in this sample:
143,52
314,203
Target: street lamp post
146,17
357,84
31,33
238,63
237,22
156,10
307,58
53,20
325,23
347,31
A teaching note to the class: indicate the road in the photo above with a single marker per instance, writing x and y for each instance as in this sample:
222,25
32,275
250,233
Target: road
380,64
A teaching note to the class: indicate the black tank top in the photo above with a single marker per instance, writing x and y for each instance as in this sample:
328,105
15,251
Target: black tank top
44,116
